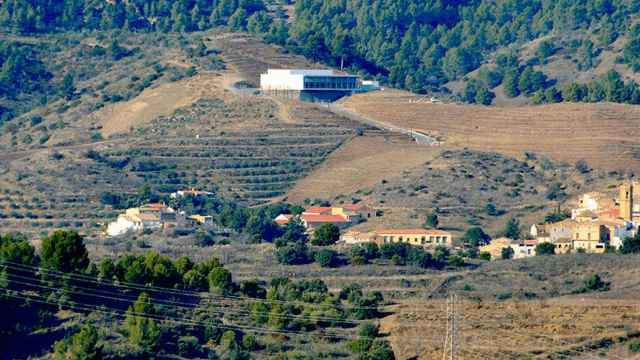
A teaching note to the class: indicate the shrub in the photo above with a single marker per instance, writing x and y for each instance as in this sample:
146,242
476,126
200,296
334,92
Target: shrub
582,166
294,254
456,261
507,253
326,258
595,283
188,346
432,220
326,234
630,245
485,256
249,342
545,248
634,346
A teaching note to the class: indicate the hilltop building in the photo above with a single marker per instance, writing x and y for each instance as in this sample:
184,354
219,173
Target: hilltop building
313,84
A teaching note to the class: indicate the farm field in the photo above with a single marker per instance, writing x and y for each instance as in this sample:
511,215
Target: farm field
605,135
515,330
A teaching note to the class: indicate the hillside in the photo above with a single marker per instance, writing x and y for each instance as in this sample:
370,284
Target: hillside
605,135
118,104
535,49
183,125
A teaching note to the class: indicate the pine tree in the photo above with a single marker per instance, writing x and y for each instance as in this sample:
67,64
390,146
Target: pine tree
142,331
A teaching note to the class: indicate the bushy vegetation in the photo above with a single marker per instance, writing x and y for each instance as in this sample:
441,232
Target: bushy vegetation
545,248
149,15
420,45
145,289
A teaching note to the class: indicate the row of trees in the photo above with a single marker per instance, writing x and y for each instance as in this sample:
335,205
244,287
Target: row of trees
609,87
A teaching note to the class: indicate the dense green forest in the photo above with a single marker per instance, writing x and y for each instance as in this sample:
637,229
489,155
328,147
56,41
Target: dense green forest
33,16
423,44
411,44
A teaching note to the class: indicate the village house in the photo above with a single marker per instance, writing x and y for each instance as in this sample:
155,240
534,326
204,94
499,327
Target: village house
424,237
418,237
189,192
149,216
596,223
204,220
495,246
523,248
592,202
341,216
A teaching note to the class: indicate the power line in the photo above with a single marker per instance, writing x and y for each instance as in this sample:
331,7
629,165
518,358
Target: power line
165,290
100,309
183,305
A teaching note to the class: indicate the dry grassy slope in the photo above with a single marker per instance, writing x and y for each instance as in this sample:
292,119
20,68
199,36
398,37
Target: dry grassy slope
605,135
525,329
361,163
251,57
199,131
461,182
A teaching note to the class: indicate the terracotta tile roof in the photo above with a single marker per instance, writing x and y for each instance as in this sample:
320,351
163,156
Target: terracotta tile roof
323,218
614,213
318,210
155,206
353,207
412,231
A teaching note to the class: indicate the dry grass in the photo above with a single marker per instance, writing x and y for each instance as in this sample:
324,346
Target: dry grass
251,57
361,163
511,330
154,102
605,135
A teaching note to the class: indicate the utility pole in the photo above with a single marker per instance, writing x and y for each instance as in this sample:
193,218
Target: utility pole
450,349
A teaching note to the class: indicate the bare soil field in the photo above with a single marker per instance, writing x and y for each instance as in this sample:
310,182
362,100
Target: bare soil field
515,330
605,135
361,163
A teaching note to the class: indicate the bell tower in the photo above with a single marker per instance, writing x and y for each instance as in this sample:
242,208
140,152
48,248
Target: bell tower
626,201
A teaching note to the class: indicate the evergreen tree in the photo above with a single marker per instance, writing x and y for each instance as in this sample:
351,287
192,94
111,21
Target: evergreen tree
83,345
143,332
68,88
512,229
64,251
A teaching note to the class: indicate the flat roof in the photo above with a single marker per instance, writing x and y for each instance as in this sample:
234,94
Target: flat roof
307,72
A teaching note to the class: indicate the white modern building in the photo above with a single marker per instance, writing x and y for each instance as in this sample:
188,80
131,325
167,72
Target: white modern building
307,79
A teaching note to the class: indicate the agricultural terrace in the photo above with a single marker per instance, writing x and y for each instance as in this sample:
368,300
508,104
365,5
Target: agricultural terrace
605,135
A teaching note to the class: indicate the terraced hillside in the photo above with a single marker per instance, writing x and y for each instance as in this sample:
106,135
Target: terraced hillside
187,131
605,135
251,57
